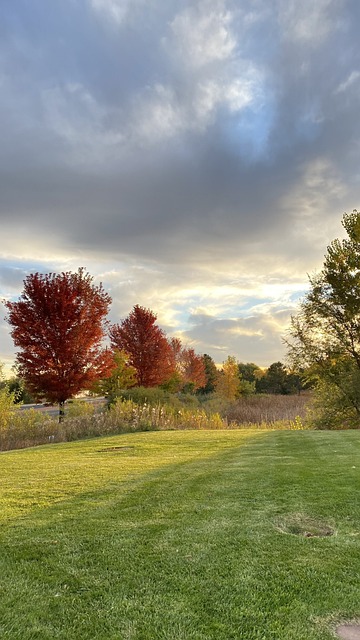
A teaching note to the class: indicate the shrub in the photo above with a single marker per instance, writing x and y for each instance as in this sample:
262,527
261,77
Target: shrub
7,407
148,417
32,427
331,409
140,395
79,409
26,429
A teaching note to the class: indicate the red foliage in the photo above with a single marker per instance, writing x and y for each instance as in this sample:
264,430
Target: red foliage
58,325
176,348
149,351
193,368
189,366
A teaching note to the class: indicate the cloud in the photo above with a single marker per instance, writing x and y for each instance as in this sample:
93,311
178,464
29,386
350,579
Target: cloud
11,279
350,80
197,157
7,350
117,13
202,33
247,337
309,22
320,188
115,10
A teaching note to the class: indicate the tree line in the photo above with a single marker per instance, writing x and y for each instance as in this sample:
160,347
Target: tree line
59,325
60,322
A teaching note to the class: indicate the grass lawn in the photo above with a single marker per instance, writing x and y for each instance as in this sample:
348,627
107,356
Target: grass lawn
181,535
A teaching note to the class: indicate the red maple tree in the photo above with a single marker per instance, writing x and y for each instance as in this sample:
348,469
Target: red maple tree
193,369
58,325
146,344
189,367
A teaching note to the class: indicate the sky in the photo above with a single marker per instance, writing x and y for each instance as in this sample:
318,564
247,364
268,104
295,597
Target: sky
196,157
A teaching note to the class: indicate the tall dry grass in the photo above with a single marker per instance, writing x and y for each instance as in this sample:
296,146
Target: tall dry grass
29,428
268,409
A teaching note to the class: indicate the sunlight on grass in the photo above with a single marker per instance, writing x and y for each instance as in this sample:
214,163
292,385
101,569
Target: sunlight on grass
38,477
176,535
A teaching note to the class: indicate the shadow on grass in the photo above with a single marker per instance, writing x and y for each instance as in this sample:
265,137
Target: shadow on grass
185,551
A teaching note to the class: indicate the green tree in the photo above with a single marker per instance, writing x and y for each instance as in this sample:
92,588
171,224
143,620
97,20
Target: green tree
122,376
275,380
17,386
325,333
249,371
211,374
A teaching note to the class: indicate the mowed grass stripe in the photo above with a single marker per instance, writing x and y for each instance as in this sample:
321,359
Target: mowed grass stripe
179,535
39,477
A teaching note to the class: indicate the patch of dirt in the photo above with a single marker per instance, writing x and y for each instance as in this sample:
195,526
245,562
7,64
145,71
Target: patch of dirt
109,449
348,631
299,524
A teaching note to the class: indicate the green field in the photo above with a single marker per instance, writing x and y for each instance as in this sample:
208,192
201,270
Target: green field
186,535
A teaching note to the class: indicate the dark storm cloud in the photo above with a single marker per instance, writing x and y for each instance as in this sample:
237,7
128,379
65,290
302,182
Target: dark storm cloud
103,128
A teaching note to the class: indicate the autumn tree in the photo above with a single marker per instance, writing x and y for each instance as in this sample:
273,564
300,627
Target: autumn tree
211,375
174,381
193,370
229,383
58,325
189,368
325,333
146,345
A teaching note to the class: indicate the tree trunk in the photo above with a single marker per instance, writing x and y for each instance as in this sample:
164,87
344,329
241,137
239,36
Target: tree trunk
61,411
